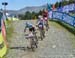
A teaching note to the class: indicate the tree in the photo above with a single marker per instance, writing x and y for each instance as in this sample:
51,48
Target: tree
71,1
40,12
21,16
27,15
33,15
56,4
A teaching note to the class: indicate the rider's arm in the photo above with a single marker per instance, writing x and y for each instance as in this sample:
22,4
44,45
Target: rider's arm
30,36
25,28
43,23
38,22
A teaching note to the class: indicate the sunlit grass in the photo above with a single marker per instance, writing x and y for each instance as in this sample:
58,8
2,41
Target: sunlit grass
9,29
67,28
52,23
73,41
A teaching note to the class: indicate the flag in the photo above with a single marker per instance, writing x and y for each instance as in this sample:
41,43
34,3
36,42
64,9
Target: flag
60,4
3,28
53,7
49,7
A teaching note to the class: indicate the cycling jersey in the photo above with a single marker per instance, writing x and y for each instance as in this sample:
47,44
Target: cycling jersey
28,25
45,14
41,24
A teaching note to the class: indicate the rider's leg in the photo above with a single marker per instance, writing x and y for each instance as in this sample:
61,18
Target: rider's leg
33,39
43,32
34,32
48,23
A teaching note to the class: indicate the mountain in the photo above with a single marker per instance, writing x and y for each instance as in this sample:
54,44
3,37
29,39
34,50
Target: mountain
14,12
11,11
25,9
31,9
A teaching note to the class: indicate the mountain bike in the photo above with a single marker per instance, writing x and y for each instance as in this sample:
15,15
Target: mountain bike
42,33
47,25
33,43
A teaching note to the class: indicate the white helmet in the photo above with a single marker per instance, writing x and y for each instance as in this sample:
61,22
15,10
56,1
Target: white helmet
39,16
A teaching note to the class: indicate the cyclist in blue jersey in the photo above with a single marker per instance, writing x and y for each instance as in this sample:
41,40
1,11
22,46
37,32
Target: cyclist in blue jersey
32,34
30,26
40,23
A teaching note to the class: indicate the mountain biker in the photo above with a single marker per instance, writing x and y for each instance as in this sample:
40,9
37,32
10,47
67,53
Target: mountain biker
40,22
31,27
45,14
39,17
40,25
31,35
45,17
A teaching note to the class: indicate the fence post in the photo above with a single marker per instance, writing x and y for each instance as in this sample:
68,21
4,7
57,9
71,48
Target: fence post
62,16
52,14
74,22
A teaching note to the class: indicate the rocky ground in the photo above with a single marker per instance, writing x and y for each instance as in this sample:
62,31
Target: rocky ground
56,44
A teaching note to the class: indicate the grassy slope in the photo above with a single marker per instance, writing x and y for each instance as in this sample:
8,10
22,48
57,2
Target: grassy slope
9,29
67,28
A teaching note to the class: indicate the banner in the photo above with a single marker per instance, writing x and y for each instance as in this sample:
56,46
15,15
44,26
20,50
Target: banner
50,14
3,28
49,7
3,45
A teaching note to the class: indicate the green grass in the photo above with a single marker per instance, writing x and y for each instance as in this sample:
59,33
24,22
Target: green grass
4,49
52,23
69,28
9,29
9,33
66,26
72,14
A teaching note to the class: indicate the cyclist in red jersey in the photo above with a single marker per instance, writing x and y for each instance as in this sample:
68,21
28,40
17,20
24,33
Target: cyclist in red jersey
45,17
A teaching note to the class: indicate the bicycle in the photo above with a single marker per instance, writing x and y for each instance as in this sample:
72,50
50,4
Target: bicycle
47,25
42,33
33,42
34,33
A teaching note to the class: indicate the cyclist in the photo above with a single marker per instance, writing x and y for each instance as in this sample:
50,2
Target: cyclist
46,23
40,25
39,17
32,28
31,35
45,17
45,14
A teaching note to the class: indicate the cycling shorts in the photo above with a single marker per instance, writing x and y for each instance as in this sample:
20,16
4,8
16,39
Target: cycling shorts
32,29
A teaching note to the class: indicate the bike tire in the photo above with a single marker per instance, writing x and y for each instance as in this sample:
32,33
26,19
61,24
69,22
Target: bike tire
41,34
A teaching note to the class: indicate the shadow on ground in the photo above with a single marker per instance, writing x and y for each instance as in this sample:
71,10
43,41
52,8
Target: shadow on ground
21,48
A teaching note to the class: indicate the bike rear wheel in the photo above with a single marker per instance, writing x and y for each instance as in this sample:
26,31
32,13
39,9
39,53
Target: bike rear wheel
42,34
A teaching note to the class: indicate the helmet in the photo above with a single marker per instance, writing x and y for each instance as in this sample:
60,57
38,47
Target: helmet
29,24
39,16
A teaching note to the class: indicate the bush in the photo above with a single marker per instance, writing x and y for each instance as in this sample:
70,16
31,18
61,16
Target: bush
28,15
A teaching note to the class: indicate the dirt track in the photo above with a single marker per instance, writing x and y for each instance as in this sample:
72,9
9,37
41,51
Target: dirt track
56,44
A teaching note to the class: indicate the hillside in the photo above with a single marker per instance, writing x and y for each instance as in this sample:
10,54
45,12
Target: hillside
25,9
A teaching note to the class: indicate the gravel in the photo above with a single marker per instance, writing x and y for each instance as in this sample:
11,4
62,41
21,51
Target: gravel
56,44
